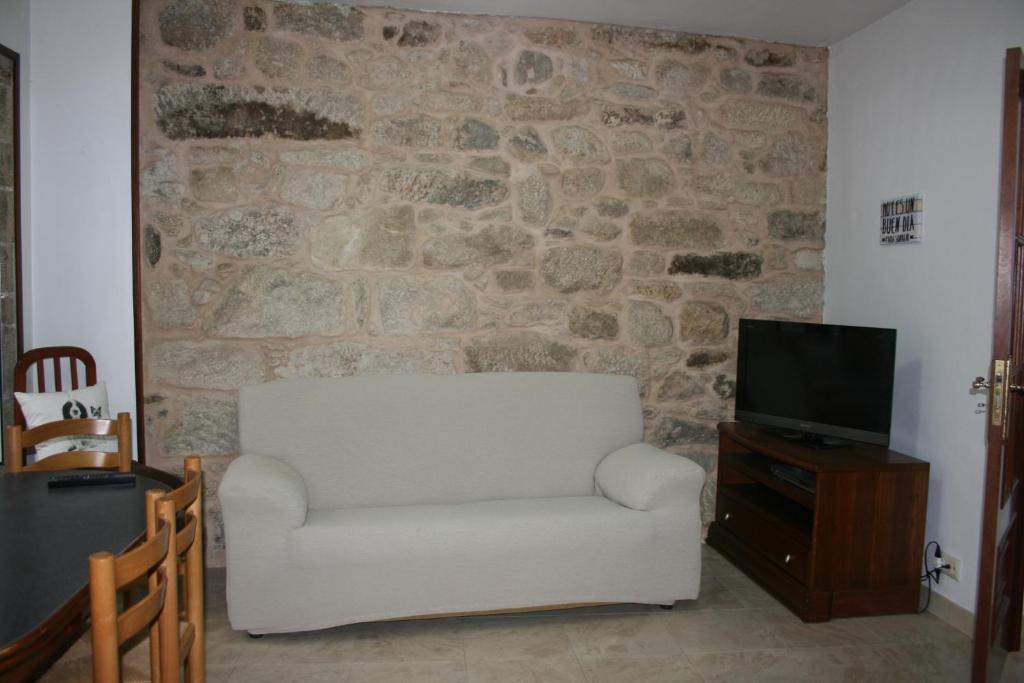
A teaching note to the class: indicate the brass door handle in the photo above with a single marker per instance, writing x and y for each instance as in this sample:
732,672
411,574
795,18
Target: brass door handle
787,558
1017,387
980,383
726,517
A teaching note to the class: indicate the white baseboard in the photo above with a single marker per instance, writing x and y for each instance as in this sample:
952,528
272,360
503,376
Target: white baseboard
953,614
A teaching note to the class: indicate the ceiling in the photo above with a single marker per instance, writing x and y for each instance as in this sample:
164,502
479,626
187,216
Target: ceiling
804,22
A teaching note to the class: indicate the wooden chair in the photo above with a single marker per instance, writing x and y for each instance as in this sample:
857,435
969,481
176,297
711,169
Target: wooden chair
19,439
107,575
179,647
77,360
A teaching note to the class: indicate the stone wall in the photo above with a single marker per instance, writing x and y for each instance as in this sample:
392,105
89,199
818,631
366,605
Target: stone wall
336,191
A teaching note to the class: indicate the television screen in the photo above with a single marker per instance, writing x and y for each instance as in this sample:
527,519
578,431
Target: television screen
825,380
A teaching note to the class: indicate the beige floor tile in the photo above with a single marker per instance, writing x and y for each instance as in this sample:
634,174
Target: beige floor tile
290,672
543,670
726,630
603,636
715,593
405,672
659,669
747,592
515,638
426,640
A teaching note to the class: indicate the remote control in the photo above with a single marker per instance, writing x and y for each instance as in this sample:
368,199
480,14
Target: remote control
76,479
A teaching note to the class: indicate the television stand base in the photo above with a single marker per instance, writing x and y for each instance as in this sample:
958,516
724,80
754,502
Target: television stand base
812,440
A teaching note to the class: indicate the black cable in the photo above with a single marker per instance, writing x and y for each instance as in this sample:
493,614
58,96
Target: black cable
928,575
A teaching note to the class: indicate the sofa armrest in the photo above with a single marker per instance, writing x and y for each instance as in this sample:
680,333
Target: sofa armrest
643,477
265,492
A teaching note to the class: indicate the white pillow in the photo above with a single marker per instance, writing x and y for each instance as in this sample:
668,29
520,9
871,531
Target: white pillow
90,402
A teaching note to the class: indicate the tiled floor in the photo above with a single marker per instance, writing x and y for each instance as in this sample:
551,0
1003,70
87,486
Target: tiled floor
734,632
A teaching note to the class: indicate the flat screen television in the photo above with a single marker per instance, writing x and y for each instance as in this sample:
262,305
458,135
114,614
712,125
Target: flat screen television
827,383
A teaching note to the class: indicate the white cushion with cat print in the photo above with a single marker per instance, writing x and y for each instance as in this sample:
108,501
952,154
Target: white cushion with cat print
89,403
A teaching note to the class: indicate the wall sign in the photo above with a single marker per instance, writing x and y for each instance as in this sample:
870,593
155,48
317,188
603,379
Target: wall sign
902,220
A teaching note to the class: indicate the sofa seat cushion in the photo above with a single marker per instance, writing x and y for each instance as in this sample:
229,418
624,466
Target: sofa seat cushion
529,528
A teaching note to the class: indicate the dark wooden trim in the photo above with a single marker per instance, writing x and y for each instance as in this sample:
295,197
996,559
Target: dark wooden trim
1001,341
16,58
140,392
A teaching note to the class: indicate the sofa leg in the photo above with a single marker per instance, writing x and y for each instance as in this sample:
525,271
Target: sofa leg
667,606
254,636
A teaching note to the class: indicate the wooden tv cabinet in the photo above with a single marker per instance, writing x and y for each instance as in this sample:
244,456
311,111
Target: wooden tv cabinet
851,548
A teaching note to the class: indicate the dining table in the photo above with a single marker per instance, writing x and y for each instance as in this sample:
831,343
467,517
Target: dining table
46,537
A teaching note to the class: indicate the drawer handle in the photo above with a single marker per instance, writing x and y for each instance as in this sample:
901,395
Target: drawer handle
728,515
787,558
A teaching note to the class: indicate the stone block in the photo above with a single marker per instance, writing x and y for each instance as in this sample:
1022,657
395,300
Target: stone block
591,324
575,268
679,386
419,34
620,360
277,58
577,144
610,207
647,325
730,265
786,86
680,78
195,24
488,246
535,108
703,322
770,57
206,426
582,182
376,238
410,305
534,199
443,186
323,18
474,134
417,131
324,68
631,91
527,145
250,231
533,67
798,296
651,39
602,231
656,289
344,359
702,358
673,432
674,229
204,365
518,353
796,225
198,111
759,115
346,159
313,189
169,304
736,80
645,177
533,313
514,280
273,302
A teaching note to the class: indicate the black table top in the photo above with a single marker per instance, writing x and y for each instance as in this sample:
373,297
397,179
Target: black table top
46,537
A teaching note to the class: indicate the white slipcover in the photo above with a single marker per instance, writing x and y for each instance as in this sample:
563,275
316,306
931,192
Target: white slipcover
369,498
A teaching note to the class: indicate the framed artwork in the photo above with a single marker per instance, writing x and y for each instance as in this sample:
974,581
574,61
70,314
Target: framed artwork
10,233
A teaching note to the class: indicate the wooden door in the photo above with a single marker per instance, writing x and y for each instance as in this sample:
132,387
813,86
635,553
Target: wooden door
997,626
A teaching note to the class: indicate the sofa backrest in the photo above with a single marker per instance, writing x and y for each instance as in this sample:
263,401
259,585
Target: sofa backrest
425,439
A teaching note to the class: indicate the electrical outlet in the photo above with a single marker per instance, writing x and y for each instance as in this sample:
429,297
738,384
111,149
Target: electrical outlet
952,568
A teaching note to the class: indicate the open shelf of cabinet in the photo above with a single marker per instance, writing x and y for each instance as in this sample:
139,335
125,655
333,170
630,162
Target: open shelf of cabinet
851,548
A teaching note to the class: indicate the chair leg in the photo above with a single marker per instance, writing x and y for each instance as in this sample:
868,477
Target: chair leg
667,606
254,636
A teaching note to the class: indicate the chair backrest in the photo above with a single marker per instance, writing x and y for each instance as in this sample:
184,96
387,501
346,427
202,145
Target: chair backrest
107,575
19,439
77,359
174,646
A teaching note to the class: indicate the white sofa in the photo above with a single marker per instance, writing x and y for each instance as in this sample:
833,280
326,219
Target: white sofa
369,498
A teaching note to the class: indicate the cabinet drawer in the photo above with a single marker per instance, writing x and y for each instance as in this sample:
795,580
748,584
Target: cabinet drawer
760,531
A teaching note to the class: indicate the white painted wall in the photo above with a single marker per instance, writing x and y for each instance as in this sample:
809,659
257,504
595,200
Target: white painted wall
915,104
81,282
15,34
